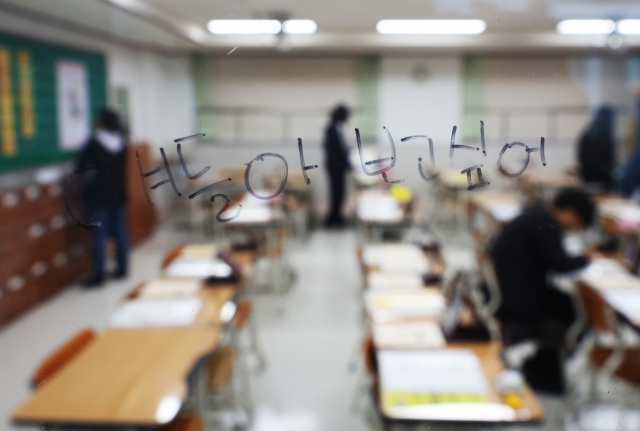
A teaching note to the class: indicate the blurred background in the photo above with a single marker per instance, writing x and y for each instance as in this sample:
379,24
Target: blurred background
297,294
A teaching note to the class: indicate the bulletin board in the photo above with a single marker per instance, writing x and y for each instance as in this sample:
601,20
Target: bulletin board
49,95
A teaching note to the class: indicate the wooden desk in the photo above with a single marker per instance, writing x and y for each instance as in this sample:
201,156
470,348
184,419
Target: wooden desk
125,377
488,354
611,211
489,211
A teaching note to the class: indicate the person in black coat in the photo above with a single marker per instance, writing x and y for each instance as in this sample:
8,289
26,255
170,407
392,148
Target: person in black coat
524,253
337,164
596,150
103,163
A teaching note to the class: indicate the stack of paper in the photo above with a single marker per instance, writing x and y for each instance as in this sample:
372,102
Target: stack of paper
257,214
169,288
392,304
379,207
396,257
199,268
606,274
625,301
424,377
198,251
140,313
408,334
394,280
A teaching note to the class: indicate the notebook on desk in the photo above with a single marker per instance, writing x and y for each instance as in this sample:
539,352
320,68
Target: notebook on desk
408,334
410,378
387,304
169,288
144,313
199,267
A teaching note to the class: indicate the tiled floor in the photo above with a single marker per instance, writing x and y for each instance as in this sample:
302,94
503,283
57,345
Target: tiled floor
309,342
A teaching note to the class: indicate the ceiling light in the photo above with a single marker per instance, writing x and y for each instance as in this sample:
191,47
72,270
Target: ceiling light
629,26
299,26
431,26
244,26
586,26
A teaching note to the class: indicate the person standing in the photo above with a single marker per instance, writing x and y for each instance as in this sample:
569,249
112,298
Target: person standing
103,160
337,164
596,148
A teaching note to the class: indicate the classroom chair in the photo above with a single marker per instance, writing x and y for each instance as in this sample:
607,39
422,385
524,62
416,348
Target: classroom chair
222,406
183,423
62,355
611,354
242,323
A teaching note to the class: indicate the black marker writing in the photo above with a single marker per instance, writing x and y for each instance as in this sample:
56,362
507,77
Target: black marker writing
526,160
204,189
186,138
166,166
482,137
304,168
383,170
225,207
184,166
431,156
481,182
261,157
453,145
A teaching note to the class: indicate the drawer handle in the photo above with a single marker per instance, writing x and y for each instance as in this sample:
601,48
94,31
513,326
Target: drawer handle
32,193
60,259
10,199
16,283
35,230
39,268
57,222
55,190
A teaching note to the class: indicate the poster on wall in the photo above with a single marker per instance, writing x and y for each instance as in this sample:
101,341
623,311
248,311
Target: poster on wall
74,115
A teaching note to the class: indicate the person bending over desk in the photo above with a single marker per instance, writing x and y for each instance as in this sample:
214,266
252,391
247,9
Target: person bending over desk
524,253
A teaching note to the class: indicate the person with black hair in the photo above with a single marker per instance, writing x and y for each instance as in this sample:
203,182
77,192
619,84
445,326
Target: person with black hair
103,162
337,164
524,253
596,150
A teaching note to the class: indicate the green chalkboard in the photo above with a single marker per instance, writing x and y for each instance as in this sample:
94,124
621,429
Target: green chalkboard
38,83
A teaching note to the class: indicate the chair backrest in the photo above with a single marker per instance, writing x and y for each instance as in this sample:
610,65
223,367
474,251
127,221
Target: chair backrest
489,276
56,360
172,255
243,313
369,357
220,368
598,312
184,423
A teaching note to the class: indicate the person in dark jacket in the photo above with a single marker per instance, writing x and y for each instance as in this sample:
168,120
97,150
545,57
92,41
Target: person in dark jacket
630,180
596,150
524,253
103,160
337,164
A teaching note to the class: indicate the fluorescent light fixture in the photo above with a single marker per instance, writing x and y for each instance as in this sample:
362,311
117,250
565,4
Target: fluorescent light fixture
244,26
299,26
431,26
629,26
586,26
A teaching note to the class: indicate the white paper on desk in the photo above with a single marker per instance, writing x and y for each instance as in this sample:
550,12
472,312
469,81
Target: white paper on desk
163,288
199,251
396,257
249,214
439,371
142,313
389,304
200,268
379,208
461,412
625,301
409,334
394,280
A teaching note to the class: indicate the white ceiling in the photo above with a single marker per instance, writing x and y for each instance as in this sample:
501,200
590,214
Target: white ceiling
343,25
